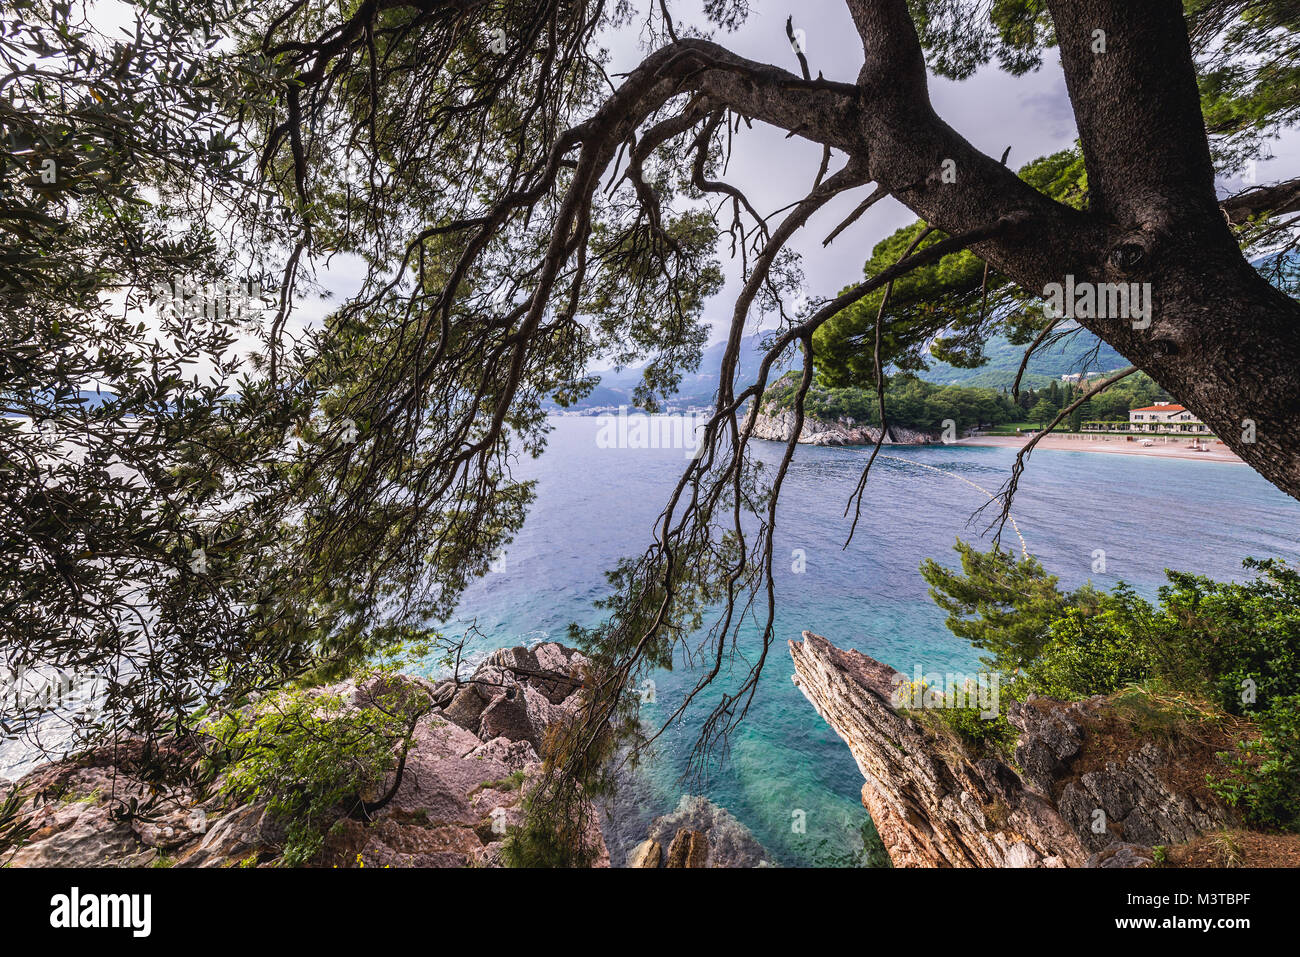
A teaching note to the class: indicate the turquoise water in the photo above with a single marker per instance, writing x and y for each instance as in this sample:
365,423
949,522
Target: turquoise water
595,505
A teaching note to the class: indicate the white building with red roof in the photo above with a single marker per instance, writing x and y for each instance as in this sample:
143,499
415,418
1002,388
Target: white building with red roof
1166,417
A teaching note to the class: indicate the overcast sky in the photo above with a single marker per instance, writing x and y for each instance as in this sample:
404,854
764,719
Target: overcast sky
1031,114
993,110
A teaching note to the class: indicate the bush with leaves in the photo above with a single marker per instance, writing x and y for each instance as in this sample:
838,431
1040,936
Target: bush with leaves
957,711
314,758
1233,645
1092,648
997,602
1263,779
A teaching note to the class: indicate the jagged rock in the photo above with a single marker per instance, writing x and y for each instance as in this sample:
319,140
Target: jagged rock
466,708
1120,854
777,425
688,849
515,755
1053,736
1079,803
73,814
72,834
646,854
472,756
730,843
238,835
443,693
507,717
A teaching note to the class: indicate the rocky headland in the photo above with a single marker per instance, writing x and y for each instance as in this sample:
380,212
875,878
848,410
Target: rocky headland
778,425
1083,790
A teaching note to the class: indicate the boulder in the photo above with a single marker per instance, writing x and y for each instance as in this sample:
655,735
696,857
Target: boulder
729,842
473,753
688,849
648,853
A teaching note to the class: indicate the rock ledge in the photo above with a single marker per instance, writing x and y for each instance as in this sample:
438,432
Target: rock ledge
1083,801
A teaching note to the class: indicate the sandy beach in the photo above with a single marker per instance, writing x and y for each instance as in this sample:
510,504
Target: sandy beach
1163,446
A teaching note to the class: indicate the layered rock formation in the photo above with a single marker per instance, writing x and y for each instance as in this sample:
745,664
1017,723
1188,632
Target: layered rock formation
1088,796
778,425
698,834
470,762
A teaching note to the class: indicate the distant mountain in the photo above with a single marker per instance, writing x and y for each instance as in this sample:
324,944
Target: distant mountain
698,388
1070,355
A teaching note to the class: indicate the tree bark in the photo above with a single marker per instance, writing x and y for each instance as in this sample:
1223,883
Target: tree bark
1221,339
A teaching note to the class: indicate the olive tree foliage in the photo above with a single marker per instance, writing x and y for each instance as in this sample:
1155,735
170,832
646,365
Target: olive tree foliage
520,213
523,212
116,163
156,500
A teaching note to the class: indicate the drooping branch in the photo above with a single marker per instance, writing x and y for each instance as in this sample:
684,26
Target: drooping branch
1024,359
856,498
451,348
1018,468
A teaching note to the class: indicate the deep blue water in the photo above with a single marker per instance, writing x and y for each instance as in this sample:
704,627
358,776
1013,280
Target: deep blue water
595,505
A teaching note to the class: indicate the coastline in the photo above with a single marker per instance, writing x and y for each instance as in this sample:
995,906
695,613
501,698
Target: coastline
1164,447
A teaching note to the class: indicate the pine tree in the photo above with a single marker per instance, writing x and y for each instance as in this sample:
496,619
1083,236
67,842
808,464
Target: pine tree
1012,601
1042,412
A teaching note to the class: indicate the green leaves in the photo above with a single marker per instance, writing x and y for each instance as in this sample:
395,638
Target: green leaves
1233,645
909,402
114,159
1248,62
959,37
939,310
997,602
313,758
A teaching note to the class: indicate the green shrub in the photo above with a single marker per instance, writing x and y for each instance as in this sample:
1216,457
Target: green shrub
554,834
980,733
312,758
968,721
1092,650
1227,647
1236,643
1264,776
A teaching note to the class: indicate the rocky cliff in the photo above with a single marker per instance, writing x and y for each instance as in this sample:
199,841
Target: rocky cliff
470,762
1084,791
777,425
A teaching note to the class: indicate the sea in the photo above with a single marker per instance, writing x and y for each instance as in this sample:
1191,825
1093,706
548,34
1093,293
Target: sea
785,776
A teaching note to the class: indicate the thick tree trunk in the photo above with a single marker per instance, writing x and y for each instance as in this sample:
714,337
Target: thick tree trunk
1227,345
1220,338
